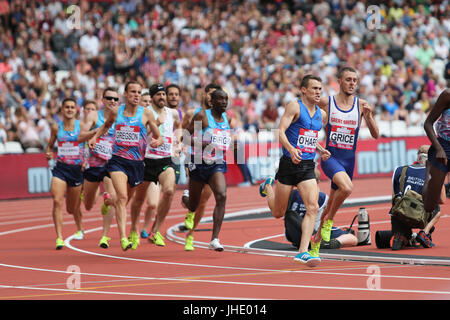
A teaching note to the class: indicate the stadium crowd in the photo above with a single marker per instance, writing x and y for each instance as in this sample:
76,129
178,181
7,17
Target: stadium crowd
256,50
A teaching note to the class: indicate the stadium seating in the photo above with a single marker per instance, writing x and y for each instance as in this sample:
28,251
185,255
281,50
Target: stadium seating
385,128
399,128
13,147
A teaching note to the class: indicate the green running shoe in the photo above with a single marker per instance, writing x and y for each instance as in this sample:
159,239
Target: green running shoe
104,242
189,245
325,232
59,243
315,247
189,221
105,209
157,239
125,244
79,235
134,239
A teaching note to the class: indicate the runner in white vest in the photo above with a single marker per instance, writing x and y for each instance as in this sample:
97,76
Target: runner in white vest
345,112
159,168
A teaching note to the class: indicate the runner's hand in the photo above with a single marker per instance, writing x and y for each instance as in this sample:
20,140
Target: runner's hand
92,142
325,155
156,142
296,155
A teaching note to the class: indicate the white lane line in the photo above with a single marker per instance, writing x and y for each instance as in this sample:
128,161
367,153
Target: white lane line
79,291
278,285
253,269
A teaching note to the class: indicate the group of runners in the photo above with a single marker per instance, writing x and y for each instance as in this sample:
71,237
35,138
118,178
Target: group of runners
134,150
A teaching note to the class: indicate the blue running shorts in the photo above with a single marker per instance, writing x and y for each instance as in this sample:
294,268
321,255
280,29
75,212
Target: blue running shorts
334,165
204,172
95,174
134,169
69,173
432,155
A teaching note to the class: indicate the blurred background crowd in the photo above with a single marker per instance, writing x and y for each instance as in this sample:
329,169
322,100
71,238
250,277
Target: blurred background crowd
257,50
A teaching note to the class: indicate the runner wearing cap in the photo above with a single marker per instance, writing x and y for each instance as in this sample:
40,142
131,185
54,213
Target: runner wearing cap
159,167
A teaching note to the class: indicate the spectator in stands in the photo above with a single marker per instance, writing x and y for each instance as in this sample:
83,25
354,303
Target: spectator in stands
402,113
26,130
390,106
4,13
447,70
90,43
423,103
270,115
251,47
3,134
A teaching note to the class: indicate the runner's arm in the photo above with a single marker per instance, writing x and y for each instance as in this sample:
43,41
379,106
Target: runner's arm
85,127
367,113
291,112
51,142
104,128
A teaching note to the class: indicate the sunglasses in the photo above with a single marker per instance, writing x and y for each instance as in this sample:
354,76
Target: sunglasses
111,98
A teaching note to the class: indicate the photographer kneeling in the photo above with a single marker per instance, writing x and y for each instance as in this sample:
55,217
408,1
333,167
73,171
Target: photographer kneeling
407,211
293,219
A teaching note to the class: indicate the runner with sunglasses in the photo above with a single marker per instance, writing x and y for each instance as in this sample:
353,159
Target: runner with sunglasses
95,171
132,123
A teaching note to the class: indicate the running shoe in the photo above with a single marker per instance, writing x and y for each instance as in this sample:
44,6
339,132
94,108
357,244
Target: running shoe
189,220
306,258
59,243
105,209
424,240
325,232
215,245
262,186
104,242
157,239
315,247
144,234
79,235
184,198
134,239
189,245
125,244
332,244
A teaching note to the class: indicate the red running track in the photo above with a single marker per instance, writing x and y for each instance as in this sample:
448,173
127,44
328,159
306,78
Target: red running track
31,269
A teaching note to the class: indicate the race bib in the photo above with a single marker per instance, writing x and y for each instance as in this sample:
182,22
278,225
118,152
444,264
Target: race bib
68,149
164,150
342,137
103,149
307,140
219,143
127,136
221,139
